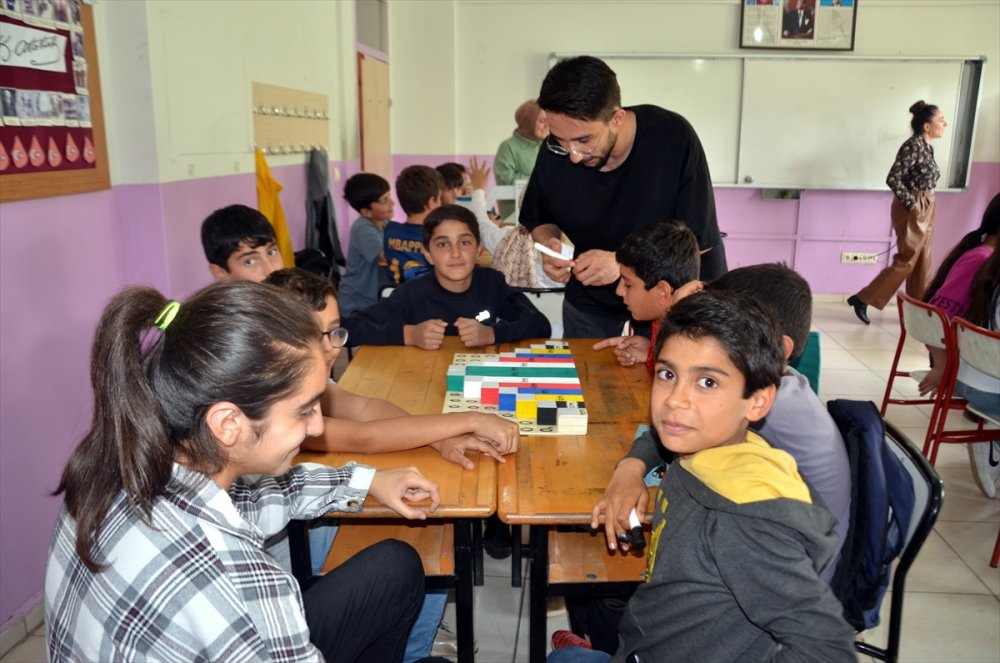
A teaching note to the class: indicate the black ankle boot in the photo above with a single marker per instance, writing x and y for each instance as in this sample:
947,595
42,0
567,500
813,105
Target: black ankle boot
860,309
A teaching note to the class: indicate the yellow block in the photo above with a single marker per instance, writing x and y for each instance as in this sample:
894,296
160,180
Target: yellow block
565,398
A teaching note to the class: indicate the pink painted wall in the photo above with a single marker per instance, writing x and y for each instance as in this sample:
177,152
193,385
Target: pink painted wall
61,259
809,234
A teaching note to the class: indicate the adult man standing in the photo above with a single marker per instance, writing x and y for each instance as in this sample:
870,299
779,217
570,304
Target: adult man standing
608,171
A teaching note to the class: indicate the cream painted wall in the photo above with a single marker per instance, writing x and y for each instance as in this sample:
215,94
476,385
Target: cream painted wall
203,57
499,52
126,91
424,80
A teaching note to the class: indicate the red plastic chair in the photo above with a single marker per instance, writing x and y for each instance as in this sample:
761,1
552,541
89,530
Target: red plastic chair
980,348
929,325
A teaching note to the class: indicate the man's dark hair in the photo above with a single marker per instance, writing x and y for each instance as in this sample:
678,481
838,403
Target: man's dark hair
781,291
415,186
224,229
310,289
450,213
453,175
583,88
362,190
661,251
747,332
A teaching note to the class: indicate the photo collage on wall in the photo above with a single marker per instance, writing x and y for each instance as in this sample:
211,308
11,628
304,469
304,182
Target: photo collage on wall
45,111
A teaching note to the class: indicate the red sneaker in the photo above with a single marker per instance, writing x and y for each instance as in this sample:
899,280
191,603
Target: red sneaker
563,638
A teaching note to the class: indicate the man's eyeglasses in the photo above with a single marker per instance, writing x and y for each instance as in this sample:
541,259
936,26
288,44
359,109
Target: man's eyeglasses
578,152
337,336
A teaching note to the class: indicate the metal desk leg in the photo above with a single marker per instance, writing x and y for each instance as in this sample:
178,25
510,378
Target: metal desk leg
463,589
538,583
516,556
477,551
298,551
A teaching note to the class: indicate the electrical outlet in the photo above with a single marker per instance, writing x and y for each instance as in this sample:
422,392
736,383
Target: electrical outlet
848,257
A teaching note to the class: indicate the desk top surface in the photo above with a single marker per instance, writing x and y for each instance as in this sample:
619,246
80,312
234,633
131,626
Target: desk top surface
551,478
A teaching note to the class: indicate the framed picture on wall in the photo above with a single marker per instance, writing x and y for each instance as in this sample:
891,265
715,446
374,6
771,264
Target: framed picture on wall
814,25
51,121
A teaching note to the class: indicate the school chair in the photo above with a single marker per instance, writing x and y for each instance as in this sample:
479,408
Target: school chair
896,498
808,363
929,325
980,348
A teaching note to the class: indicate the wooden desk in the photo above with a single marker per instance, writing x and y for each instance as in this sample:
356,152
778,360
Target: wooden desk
415,380
557,480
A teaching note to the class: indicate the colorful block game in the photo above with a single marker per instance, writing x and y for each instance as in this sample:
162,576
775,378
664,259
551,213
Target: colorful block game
537,387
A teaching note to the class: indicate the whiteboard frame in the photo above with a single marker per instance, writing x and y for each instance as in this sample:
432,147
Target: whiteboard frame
963,125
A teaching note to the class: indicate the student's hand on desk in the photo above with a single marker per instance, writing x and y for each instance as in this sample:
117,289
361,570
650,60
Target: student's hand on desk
479,173
596,267
428,335
392,487
473,333
625,491
455,448
502,434
556,269
629,350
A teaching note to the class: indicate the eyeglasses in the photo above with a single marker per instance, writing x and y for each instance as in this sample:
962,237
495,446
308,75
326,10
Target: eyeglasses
578,152
337,336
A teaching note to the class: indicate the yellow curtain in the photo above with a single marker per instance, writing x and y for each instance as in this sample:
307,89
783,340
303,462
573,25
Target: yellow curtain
269,204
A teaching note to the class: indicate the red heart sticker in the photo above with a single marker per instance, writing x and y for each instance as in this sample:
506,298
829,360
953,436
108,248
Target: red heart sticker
35,153
72,151
55,157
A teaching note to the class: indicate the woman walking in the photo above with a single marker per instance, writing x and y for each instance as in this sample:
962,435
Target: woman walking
912,179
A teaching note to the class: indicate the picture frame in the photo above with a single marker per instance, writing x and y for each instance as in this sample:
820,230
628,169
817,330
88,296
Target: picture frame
810,25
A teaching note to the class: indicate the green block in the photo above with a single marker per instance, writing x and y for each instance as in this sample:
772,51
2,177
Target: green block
522,372
456,383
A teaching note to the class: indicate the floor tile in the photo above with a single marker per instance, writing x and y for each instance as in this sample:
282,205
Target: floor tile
30,650
864,384
938,568
973,543
963,501
945,628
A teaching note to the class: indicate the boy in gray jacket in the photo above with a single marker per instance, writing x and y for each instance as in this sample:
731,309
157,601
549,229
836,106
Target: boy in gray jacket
738,539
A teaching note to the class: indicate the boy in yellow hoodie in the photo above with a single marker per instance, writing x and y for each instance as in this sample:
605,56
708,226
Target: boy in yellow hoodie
738,539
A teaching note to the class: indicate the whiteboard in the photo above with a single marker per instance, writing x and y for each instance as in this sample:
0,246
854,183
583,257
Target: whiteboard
807,122
706,91
837,124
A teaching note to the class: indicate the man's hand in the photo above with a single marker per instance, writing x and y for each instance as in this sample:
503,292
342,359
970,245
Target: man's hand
629,350
392,487
479,174
625,491
596,267
558,270
456,448
474,334
428,335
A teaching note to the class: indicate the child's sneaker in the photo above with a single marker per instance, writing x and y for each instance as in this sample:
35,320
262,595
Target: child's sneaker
564,638
986,465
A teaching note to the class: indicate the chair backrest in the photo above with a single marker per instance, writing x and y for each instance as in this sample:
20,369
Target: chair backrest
913,493
978,347
928,324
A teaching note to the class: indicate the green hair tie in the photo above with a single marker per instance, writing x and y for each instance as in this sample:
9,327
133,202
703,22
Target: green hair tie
167,315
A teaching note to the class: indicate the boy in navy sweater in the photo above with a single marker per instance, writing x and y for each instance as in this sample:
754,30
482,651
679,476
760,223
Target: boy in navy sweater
459,299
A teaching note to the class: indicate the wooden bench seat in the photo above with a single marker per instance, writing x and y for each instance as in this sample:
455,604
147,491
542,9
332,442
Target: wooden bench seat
584,558
434,541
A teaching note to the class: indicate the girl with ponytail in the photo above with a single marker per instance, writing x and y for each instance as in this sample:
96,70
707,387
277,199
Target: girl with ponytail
157,550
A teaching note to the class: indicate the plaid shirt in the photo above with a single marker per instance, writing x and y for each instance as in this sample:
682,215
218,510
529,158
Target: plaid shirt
914,170
194,586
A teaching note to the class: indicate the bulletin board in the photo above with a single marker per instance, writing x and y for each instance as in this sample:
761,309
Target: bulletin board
52,139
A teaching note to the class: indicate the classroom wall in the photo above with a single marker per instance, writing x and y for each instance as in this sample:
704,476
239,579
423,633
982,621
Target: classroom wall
176,87
493,74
